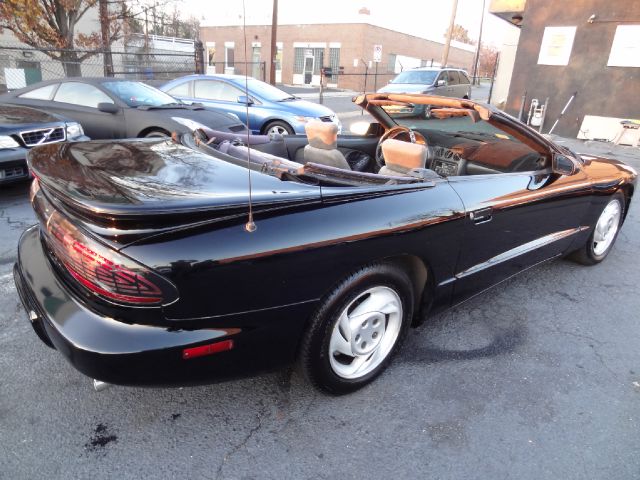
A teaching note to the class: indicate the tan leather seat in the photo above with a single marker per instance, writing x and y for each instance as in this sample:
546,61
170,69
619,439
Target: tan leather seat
401,157
323,145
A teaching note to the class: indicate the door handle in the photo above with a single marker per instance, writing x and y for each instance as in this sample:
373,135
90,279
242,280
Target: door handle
482,215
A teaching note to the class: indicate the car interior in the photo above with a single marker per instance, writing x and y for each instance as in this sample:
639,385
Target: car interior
451,141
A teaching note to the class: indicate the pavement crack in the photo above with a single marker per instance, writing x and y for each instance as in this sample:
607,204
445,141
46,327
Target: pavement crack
593,341
580,336
601,360
242,444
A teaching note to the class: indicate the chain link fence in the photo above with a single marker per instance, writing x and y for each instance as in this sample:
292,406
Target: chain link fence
140,58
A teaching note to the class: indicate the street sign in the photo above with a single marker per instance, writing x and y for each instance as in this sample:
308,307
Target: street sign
377,53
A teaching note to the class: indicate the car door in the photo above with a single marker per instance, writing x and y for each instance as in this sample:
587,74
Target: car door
441,84
452,84
79,101
220,96
456,88
515,219
465,85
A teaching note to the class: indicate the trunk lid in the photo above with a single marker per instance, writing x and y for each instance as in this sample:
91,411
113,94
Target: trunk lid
138,178
124,191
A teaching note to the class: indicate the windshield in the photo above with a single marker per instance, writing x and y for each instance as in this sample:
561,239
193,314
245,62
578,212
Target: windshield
425,77
136,94
265,91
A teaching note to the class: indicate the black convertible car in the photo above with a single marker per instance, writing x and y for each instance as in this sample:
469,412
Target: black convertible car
117,108
147,267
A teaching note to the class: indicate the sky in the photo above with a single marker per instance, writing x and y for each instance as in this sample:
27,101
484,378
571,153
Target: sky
424,18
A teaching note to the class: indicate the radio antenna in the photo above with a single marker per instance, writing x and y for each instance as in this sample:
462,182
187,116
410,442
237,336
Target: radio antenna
250,226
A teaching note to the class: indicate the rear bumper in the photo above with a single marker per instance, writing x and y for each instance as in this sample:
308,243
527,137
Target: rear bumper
134,354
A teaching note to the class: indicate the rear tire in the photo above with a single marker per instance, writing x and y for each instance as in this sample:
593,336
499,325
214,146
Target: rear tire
604,234
278,126
357,329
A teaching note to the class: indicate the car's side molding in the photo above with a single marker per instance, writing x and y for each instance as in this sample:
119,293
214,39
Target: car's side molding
520,250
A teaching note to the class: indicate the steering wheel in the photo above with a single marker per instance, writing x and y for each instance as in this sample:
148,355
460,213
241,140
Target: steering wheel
396,132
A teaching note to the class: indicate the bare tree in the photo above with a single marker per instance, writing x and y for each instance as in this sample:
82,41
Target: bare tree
50,26
460,34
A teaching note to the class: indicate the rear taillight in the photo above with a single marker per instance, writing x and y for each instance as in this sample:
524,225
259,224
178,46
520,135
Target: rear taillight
96,267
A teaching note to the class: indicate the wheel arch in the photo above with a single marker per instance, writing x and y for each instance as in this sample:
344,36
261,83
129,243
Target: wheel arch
421,279
148,130
627,190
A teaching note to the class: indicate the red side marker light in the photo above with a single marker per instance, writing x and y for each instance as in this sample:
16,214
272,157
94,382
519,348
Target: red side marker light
210,349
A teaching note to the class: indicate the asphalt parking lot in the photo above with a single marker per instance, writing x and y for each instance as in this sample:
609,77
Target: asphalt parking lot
538,378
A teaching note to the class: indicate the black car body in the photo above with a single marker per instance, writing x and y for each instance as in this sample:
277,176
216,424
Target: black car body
111,108
22,128
145,268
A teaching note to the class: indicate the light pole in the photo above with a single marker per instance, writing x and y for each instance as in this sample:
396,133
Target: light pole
274,50
476,59
452,20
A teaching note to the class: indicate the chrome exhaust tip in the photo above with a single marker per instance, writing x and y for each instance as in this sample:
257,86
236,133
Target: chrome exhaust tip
99,386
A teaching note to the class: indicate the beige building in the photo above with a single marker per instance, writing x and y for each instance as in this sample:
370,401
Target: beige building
303,49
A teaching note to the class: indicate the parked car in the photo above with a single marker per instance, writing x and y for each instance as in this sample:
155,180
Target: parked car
447,82
22,128
117,108
271,110
183,287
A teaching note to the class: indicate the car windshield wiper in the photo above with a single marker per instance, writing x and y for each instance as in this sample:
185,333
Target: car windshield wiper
289,98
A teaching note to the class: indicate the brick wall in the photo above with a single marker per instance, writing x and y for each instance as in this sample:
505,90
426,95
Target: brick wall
356,43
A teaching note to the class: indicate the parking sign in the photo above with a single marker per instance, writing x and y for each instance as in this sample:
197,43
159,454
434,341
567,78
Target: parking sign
377,53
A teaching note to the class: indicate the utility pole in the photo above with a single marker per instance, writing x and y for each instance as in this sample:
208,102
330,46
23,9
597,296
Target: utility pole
452,21
274,49
476,59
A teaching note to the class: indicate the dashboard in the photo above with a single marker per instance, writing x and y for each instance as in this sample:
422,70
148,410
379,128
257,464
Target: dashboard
446,162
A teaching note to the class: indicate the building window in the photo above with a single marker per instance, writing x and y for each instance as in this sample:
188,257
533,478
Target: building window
318,54
229,56
279,58
211,53
334,63
298,62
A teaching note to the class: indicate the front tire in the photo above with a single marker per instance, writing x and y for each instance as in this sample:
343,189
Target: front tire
604,234
279,127
358,328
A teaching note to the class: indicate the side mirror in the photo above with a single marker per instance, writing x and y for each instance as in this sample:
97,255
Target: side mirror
108,107
562,165
440,83
245,100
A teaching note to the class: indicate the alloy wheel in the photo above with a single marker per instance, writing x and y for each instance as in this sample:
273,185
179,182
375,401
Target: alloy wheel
365,332
607,227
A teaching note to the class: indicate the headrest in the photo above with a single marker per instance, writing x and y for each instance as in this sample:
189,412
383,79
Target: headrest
403,156
322,135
